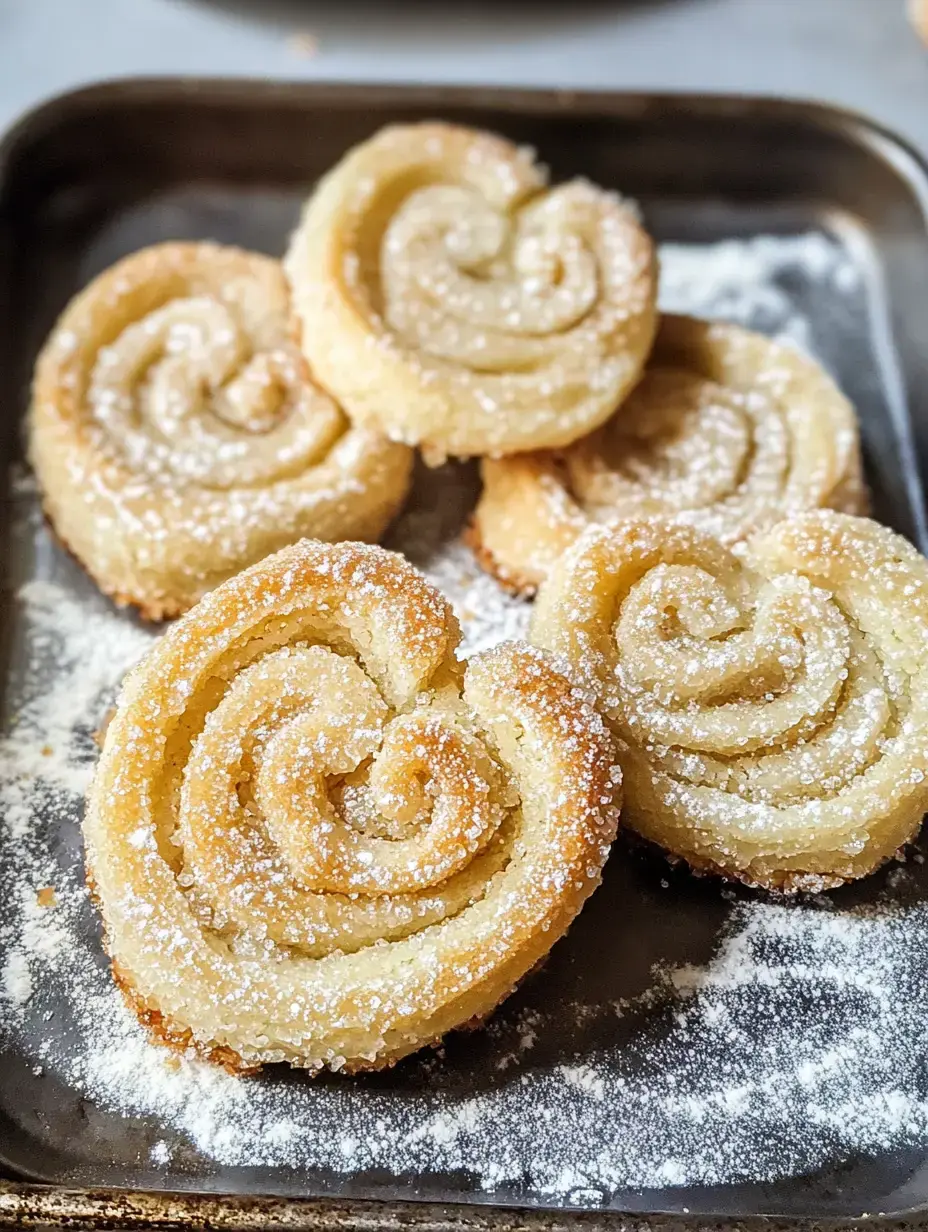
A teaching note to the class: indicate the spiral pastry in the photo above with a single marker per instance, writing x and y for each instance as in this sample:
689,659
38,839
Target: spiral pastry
772,713
727,431
317,838
178,436
453,301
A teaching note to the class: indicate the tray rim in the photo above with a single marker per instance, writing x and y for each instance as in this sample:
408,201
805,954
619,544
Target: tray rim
853,124
92,1210
25,1203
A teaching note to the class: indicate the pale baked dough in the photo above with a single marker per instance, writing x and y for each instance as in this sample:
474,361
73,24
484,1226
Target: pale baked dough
454,301
177,434
317,838
772,713
727,431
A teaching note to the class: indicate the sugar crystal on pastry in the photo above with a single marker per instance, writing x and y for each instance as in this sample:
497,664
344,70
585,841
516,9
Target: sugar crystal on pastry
771,709
178,435
308,796
727,431
452,299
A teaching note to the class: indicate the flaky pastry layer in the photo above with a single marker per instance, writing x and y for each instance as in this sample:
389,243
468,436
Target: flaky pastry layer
453,300
727,431
772,710
178,436
317,838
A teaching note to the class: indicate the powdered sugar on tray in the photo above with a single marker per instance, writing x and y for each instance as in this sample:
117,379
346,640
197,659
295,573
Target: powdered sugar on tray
752,281
780,1040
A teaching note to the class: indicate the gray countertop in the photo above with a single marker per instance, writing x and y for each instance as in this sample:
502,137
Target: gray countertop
860,53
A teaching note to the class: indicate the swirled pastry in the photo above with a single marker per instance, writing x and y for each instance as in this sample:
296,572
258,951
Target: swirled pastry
317,839
452,300
727,431
772,713
178,436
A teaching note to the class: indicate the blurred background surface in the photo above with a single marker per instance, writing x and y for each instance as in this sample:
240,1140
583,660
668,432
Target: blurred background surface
860,53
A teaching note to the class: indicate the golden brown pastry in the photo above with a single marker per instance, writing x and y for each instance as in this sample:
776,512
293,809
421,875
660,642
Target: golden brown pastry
727,431
317,838
178,436
454,301
771,712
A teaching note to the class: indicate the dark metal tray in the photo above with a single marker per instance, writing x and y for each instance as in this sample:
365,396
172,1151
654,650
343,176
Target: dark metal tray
98,173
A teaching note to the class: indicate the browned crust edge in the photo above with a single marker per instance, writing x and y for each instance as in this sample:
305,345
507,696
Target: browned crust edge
516,584
153,1021
178,1040
181,1040
787,884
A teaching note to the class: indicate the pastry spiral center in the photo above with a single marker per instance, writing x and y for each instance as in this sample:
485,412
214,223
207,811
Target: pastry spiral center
466,283
184,393
682,443
697,673
762,687
355,800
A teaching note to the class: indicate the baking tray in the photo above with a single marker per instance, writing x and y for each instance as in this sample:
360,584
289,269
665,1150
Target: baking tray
102,171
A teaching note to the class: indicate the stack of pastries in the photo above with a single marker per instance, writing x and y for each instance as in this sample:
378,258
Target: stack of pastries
317,837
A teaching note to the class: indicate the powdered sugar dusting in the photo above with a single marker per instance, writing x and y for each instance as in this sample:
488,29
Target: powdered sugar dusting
749,281
488,615
791,1040
519,306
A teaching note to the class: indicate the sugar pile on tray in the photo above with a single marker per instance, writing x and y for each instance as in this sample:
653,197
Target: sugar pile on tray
695,1093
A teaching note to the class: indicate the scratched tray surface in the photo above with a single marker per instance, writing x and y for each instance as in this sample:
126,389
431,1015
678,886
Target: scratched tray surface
686,1047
